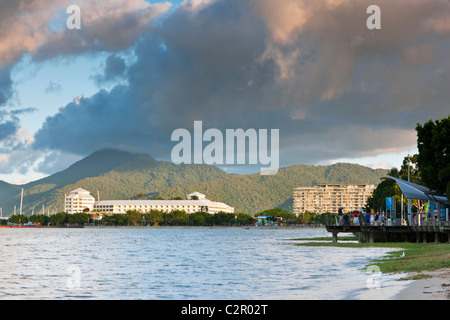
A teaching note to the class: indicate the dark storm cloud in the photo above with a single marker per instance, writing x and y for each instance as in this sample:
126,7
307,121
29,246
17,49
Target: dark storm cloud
315,72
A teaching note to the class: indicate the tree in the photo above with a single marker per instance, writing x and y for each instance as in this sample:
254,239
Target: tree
244,219
433,143
140,195
39,218
154,216
135,217
179,217
386,188
199,218
79,218
58,218
18,218
413,168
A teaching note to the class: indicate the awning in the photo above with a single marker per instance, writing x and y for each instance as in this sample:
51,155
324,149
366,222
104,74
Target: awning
414,191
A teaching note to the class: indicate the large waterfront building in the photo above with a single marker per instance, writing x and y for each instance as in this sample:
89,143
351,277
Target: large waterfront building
324,198
80,200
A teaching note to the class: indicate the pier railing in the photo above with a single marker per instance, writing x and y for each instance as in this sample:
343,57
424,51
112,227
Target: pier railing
391,228
415,221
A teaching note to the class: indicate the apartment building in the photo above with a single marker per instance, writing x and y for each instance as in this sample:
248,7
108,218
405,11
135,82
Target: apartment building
324,198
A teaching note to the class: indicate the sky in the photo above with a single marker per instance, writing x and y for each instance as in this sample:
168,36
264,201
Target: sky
135,71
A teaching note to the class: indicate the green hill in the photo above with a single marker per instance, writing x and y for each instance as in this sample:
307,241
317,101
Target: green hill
122,175
255,193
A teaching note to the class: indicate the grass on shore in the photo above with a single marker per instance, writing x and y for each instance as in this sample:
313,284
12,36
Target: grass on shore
418,256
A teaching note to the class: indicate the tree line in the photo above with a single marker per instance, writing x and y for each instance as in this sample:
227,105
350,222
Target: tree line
161,218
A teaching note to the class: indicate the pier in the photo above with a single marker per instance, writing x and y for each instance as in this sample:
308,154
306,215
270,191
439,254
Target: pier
398,229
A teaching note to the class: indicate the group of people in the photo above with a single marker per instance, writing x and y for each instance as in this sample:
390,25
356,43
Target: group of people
372,219
382,219
347,220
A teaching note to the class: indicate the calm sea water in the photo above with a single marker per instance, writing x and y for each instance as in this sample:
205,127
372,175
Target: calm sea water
183,263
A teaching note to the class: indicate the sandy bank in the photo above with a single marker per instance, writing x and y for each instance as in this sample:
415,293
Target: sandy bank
435,288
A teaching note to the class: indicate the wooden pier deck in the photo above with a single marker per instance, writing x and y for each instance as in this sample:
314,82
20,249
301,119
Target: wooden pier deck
395,232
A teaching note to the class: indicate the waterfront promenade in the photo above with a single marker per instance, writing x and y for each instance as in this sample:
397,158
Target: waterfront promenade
412,229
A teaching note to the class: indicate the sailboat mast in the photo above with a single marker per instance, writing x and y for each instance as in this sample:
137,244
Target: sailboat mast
21,201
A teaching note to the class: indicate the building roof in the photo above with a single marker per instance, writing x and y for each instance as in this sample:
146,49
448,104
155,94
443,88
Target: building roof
203,202
80,190
198,194
79,196
415,191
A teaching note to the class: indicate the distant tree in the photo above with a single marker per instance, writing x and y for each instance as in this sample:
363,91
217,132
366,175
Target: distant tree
386,188
140,196
18,218
58,218
38,218
194,197
155,217
178,217
199,218
135,217
223,219
244,219
121,219
80,218
413,168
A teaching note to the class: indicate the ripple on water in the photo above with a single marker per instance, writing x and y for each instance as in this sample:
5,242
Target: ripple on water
176,263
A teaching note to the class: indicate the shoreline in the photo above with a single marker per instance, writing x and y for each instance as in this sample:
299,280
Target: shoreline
437,287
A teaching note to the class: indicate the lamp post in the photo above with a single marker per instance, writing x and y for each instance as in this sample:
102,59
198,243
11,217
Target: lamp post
409,200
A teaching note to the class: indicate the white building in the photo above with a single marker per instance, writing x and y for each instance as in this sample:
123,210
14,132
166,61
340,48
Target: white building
79,200
144,206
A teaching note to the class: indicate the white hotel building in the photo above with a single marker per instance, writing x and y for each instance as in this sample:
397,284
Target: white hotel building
122,206
78,200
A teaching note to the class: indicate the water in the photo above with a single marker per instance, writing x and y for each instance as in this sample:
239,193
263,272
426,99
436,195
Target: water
183,263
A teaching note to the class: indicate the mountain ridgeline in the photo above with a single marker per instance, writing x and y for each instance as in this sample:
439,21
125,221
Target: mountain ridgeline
113,174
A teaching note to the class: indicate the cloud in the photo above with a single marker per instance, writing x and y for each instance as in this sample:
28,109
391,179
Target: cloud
6,89
311,69
115,68
106,25
53,87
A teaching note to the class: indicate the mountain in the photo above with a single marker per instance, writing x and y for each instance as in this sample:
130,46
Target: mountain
255,193
114,174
